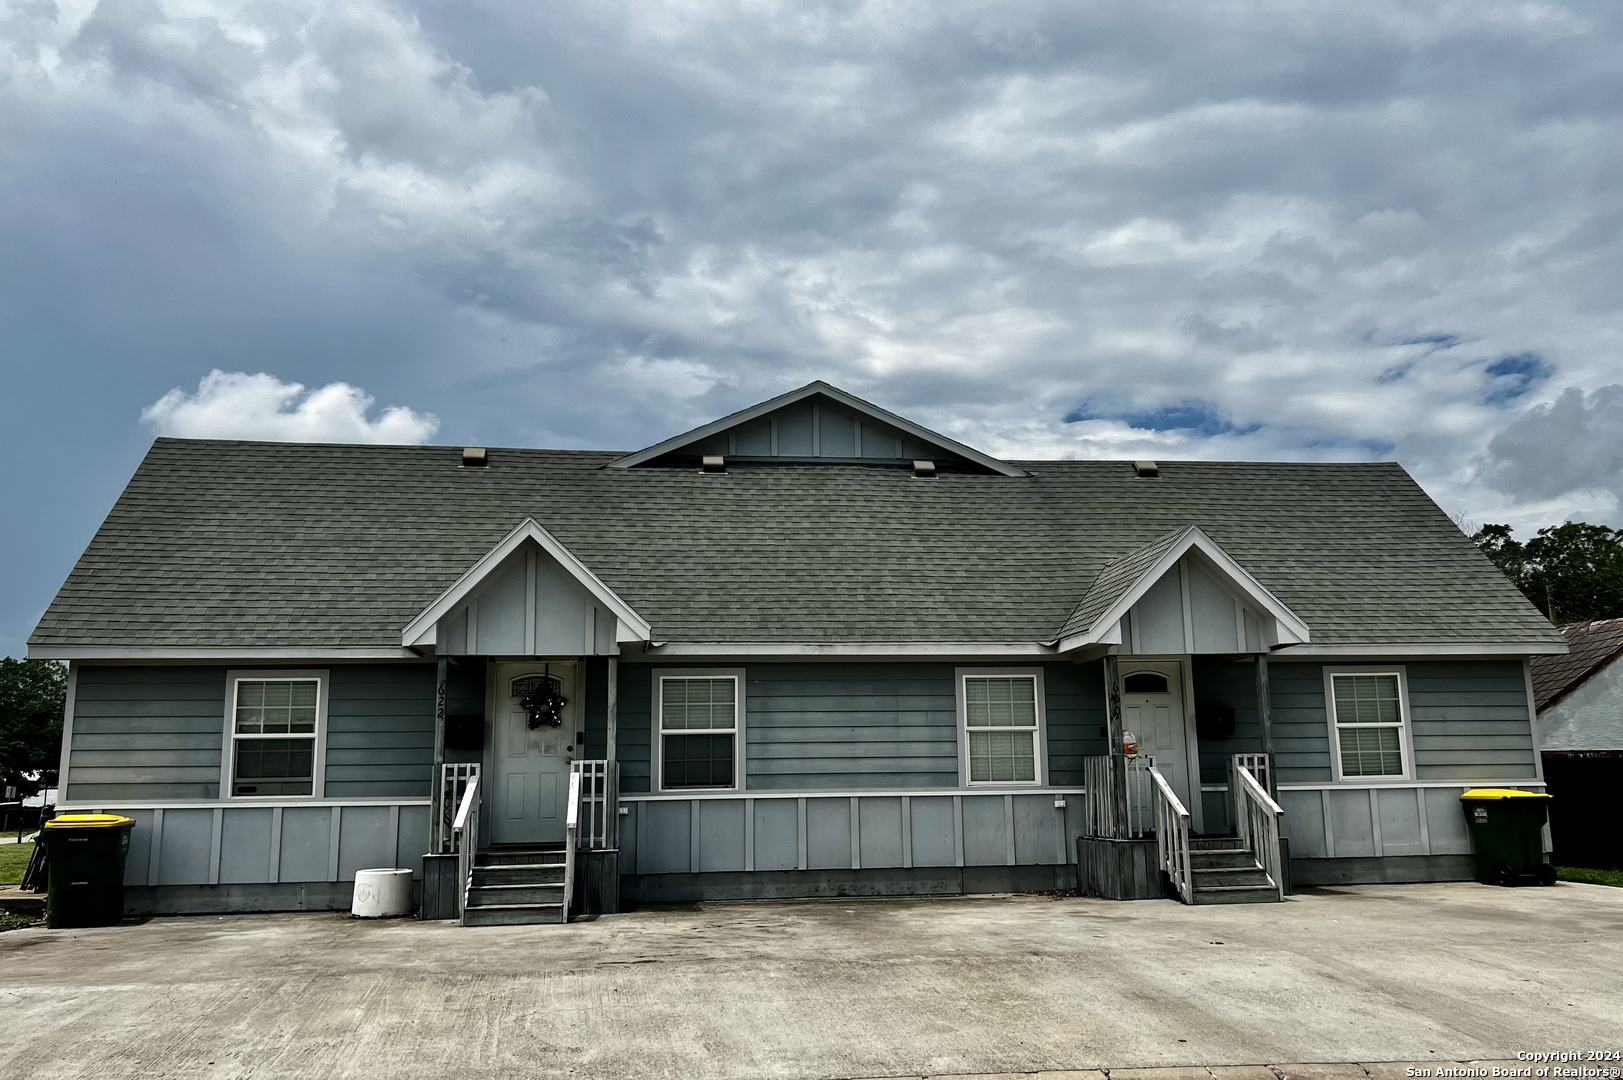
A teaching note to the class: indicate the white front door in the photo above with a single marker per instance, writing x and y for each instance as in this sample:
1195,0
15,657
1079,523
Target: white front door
529,767
1152,709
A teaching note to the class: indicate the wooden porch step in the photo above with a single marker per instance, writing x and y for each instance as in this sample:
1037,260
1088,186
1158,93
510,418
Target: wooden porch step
519,874
1216,877
513,914
521,857
1221,858
521,893
1236,894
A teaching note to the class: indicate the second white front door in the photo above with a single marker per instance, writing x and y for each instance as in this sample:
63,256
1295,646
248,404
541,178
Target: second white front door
1152,708
529,766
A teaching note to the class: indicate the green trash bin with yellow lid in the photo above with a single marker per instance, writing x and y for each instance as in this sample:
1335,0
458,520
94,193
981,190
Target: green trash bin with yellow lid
84,855
1507,835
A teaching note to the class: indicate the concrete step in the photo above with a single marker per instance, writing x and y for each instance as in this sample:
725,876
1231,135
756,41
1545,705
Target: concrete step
1236,894
1214,859
1230,875
504,895
513,915
519,874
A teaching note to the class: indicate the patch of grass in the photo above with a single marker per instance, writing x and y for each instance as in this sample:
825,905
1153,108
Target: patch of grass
8,921
1590,877
13,861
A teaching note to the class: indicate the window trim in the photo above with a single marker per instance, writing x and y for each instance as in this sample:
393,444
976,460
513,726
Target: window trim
1404,725
1040,743
656,733
228,747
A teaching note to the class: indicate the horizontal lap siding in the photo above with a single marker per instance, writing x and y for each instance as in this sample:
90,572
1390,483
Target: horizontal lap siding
838,727
1227,684
828,727
1075,700
1296,714
146,733
380,731
1468,721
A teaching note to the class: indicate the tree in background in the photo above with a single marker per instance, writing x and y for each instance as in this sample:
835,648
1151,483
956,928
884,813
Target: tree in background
1572,572
33,694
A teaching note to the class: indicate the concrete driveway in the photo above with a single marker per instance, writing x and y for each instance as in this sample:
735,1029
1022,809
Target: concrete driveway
826,989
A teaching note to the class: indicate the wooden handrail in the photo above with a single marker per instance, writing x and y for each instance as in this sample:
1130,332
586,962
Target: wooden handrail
1258,821
1172,837
465,834
571,837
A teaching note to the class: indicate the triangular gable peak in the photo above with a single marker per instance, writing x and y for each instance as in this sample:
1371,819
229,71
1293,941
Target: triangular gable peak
528,596
1180,593
817,423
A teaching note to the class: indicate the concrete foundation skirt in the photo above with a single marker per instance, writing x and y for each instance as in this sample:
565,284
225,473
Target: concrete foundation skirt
381,894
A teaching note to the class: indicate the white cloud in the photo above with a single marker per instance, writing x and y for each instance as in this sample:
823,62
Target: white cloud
236,405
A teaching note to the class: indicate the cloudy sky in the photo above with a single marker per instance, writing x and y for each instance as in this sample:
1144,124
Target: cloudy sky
1215,229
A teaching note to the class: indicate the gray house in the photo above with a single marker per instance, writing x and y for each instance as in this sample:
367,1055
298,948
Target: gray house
1580,728
811,648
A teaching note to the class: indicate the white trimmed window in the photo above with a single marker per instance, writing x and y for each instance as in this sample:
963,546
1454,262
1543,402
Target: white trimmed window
700,744
275,724
1002,722
1368,720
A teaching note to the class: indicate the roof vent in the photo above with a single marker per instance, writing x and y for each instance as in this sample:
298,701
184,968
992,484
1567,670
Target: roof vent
475,457
924,470
1146,469
715,463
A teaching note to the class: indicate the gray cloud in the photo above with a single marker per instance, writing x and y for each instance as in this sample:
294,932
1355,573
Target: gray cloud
1258,229
1573,444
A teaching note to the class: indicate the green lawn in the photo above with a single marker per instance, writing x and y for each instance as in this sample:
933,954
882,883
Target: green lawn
1592,877
13,861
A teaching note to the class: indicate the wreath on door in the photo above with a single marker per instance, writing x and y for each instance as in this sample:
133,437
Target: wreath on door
542,699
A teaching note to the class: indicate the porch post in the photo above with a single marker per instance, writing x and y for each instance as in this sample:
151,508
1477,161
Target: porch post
435,786
1118,759
613,703
1264,715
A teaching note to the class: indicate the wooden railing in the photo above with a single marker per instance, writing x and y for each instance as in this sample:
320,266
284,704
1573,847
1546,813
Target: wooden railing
1257,819
1172,837
571,838
599,803
1101,778
465,835
1262,768
452,782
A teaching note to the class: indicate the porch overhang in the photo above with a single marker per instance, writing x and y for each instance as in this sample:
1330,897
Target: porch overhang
1098,617
422,632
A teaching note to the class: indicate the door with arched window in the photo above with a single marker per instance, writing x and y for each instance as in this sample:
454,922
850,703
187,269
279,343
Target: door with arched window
1152,708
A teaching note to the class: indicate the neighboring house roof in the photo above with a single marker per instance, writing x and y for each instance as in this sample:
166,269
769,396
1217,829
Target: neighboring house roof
286,545
1593,647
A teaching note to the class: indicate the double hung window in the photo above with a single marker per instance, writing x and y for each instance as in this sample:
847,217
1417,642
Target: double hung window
1368,721
274,735
1002,730
699,728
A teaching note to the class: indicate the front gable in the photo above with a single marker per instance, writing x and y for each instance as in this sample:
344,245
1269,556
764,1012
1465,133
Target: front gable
816,423
1181,593
528,596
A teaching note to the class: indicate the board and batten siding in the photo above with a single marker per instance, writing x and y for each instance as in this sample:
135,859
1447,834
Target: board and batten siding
155,734
1468,719
840,727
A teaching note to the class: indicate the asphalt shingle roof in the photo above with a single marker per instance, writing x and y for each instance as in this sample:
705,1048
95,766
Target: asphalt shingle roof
1593,646
246,544
1116,580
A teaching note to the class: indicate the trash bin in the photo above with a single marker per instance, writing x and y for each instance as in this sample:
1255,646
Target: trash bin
1507,835
85,866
